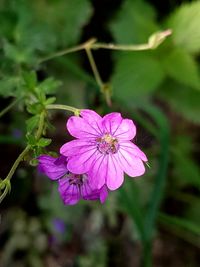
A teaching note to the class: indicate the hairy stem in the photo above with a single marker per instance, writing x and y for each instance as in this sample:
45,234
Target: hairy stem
76,111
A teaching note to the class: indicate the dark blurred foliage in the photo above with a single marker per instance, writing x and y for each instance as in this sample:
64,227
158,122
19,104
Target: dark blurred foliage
158,89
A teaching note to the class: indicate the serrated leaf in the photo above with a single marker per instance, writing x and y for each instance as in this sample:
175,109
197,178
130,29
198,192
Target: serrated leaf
43,142
50,100
182,67
32,123
184,23
30,79
130,25
183,100
68,18
49,85
9,86
135,75
31,139
35,108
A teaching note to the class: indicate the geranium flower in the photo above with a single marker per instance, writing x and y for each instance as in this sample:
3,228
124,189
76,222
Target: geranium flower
103,148
72,187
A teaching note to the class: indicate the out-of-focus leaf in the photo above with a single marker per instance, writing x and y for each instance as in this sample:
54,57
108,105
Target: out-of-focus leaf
136,75
32,123
182,67
185,170
44,142
131,25
180,222
67,18
49,85
184,23
9,86
182,99
30,79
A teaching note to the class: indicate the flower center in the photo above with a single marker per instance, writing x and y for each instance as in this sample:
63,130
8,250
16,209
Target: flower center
76,179
107,144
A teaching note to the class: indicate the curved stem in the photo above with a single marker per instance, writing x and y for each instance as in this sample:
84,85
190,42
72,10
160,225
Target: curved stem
69,50
76,111
94,68
17,161
23,154
154,40
5,110
41,126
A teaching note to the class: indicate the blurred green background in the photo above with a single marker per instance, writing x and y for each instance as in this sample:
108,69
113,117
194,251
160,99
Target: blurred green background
150,221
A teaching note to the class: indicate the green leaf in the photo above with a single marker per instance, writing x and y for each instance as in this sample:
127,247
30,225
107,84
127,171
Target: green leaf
184,23
10,86
131,25
180,222
183,100
135,75
67,19
30,79
50,100
32,123
43,142
182,67
35,108
31,139
185,170
49,86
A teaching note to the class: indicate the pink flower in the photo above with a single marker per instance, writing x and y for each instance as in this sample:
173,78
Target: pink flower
103,148
72,187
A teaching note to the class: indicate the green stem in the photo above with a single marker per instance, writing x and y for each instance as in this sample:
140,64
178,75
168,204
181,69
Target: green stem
64,107
17,161
94,68
69,50
3,195
121,47
154,40
5,110
22,155
41,126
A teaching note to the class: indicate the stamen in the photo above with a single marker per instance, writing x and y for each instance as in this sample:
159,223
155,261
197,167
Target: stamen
107,144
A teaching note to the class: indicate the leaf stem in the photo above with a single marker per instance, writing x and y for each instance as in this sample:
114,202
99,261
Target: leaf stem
22,155
6,109
94,69
64,107
153,41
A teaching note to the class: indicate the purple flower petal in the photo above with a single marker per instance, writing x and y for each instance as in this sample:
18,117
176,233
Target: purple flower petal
133,149
88,193
111,122
81,128
48,167
77,146
115,174
123,129
103,194
130,164
82,162
90,116
98,171
70,193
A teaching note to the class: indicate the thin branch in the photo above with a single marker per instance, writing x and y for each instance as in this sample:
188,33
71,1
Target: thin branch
12,104
94,68
64,107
